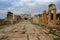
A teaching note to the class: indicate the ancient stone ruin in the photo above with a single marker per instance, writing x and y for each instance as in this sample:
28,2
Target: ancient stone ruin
35,19
25,16
10,18
47,17
52,9
17,18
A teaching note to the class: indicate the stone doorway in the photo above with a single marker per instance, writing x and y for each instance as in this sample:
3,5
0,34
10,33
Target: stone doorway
25,18
52,18
52,12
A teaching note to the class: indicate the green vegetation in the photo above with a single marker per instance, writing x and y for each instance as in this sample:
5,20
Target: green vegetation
56,38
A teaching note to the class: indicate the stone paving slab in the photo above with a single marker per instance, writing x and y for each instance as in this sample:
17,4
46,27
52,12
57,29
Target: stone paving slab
17,35
17,38
32,32
30,28
33,37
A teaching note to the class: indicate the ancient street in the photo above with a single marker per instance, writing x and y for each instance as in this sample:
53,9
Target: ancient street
24,31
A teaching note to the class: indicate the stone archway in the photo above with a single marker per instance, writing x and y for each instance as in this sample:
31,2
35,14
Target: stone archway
25,18
52,7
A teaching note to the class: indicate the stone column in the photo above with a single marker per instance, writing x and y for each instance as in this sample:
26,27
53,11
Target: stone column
49,17
54,18
45,18
42,19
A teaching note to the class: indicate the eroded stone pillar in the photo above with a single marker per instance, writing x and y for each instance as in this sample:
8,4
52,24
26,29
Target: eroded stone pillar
10,18
54,18
49,17
44,18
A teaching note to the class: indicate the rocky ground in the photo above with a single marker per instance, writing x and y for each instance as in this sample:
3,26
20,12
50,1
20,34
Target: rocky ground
24,31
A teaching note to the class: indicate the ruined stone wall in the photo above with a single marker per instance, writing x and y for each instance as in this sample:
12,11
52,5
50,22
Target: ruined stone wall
36,19
17,18
23,16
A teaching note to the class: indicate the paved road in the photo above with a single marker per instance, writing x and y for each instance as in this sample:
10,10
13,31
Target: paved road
23,31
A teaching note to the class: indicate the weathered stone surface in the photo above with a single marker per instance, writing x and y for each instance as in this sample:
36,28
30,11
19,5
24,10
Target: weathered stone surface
32,37
52,8
44,18
36,19
33,32
10,18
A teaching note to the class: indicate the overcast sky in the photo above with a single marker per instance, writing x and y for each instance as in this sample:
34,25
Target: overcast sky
26,6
